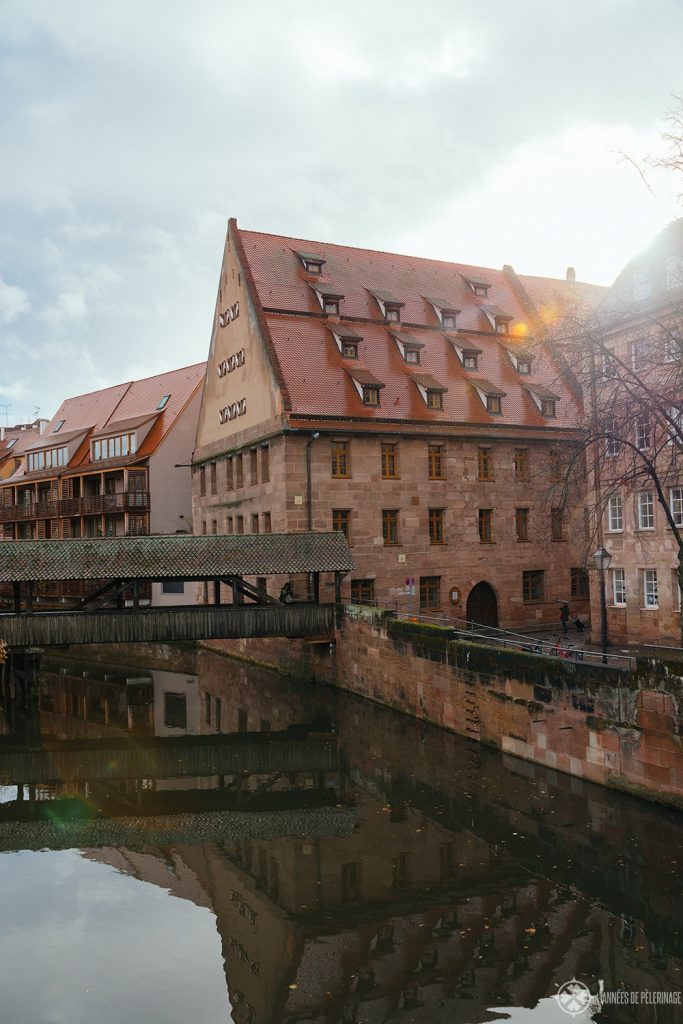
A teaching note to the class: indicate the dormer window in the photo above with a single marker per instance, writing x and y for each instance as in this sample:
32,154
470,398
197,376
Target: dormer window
389,305
312,262
408,345
501,326
545,401
480,289
470,360
367,385
478,286
431,389
498,318
346,339
521,359
328,296
412,355
467,353
491,396
370,394
434,399
524,366
445,310
449,321
349,349
58,426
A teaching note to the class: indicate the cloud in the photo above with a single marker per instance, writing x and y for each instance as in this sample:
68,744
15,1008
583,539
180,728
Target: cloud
13,302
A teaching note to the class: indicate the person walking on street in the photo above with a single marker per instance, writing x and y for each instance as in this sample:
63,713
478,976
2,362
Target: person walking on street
564,617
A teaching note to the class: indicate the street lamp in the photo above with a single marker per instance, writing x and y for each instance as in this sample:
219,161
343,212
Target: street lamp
602,559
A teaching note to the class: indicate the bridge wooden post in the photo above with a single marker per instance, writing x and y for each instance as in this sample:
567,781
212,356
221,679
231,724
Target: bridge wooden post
17,597
337,587
216,591
136,595
29,596
316,587
119,594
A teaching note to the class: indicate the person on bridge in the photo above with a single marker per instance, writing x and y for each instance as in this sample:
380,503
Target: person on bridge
287,594
564,617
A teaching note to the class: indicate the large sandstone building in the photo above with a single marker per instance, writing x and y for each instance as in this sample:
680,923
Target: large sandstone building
410,403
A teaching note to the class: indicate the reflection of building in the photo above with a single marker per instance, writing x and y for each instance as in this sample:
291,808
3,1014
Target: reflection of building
402,401
105,466
639,371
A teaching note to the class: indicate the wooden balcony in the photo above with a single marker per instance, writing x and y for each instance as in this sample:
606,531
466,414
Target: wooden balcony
88,505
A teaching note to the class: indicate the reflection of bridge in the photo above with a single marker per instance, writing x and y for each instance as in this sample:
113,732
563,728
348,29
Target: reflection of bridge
120,565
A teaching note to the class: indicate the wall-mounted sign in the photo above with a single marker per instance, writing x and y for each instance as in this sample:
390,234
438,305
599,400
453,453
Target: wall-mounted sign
231,363
454,595
230,314
232,411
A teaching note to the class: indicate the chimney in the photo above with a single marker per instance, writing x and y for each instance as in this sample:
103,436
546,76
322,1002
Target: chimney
2,433
571,275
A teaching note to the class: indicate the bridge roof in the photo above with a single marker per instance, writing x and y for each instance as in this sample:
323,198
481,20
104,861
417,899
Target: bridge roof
173,557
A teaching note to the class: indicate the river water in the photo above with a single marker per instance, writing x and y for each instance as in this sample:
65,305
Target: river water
221,844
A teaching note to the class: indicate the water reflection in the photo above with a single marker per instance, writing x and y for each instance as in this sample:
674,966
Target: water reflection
358,866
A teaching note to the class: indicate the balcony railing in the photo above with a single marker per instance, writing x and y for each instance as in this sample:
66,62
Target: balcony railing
89,504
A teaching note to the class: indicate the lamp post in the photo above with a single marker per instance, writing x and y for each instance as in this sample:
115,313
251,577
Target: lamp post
602,559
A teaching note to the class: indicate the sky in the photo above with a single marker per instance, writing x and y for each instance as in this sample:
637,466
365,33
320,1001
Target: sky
131,131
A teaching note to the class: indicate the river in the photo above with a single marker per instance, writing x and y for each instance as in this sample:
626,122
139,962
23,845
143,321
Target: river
222,844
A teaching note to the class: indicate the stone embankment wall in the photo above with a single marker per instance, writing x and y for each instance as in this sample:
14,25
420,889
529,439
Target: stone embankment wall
617,728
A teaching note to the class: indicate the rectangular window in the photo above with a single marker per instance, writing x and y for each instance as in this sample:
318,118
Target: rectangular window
675,590
267,527
611,442
522,523
615,513
548,407
202,481
485,464
650,589
619,587
676,504
341,462
435,399
214,527
493,404
436,462
533,585
229,525
213,479
350,881
350,349
389,461
341,522
253,465
486,526
239,471
370,394
363,591
229,482
173,587
579,583
390,526
254,522
639,353
642,432
430,593
521,463
557,524
609,364
265,463
175,710
437,526
646,511
239,524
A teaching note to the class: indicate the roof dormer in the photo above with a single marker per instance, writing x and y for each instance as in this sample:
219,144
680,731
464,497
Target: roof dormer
367,385
409,346
389,305
312,262
478,285
346,339
544,400
467,353
430,388
521,359
498,318
491,396
328,296
445,310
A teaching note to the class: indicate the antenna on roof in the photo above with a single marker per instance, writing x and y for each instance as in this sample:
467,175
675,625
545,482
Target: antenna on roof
7,408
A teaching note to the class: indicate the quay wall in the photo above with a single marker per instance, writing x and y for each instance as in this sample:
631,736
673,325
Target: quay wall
616,728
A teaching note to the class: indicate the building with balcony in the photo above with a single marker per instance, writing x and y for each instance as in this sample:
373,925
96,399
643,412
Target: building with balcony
107,465
414,405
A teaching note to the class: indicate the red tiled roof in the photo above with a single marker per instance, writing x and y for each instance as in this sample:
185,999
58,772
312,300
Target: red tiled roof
315,375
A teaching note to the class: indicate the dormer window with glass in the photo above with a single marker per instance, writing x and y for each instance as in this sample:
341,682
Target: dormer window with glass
328,296
114,447
346,339
446,311
389,305
521,360
467,353
312,262
490,395
46,458
431,390
498,318
544,400
478,286
409,346
367,385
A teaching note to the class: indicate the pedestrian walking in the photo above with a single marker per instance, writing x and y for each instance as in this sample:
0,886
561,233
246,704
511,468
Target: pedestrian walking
564,617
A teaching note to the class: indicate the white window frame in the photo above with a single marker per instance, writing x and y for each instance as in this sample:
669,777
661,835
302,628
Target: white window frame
615,514
619,588
646,510
650,588
676,504
639,353
643,432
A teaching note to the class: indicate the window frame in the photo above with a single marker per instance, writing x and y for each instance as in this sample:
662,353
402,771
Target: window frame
645,511
485,469
430,593
437,525
390,527
650,590
389,461
341,522
485,525
522,524
340,460
533,586
620,589
436,469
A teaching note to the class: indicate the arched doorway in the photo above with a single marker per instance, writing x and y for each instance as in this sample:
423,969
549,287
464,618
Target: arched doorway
482,605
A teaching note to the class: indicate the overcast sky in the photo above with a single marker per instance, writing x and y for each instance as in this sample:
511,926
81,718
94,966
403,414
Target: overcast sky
131,130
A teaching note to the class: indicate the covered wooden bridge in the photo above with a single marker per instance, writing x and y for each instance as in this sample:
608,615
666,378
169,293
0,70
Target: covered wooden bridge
236,566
